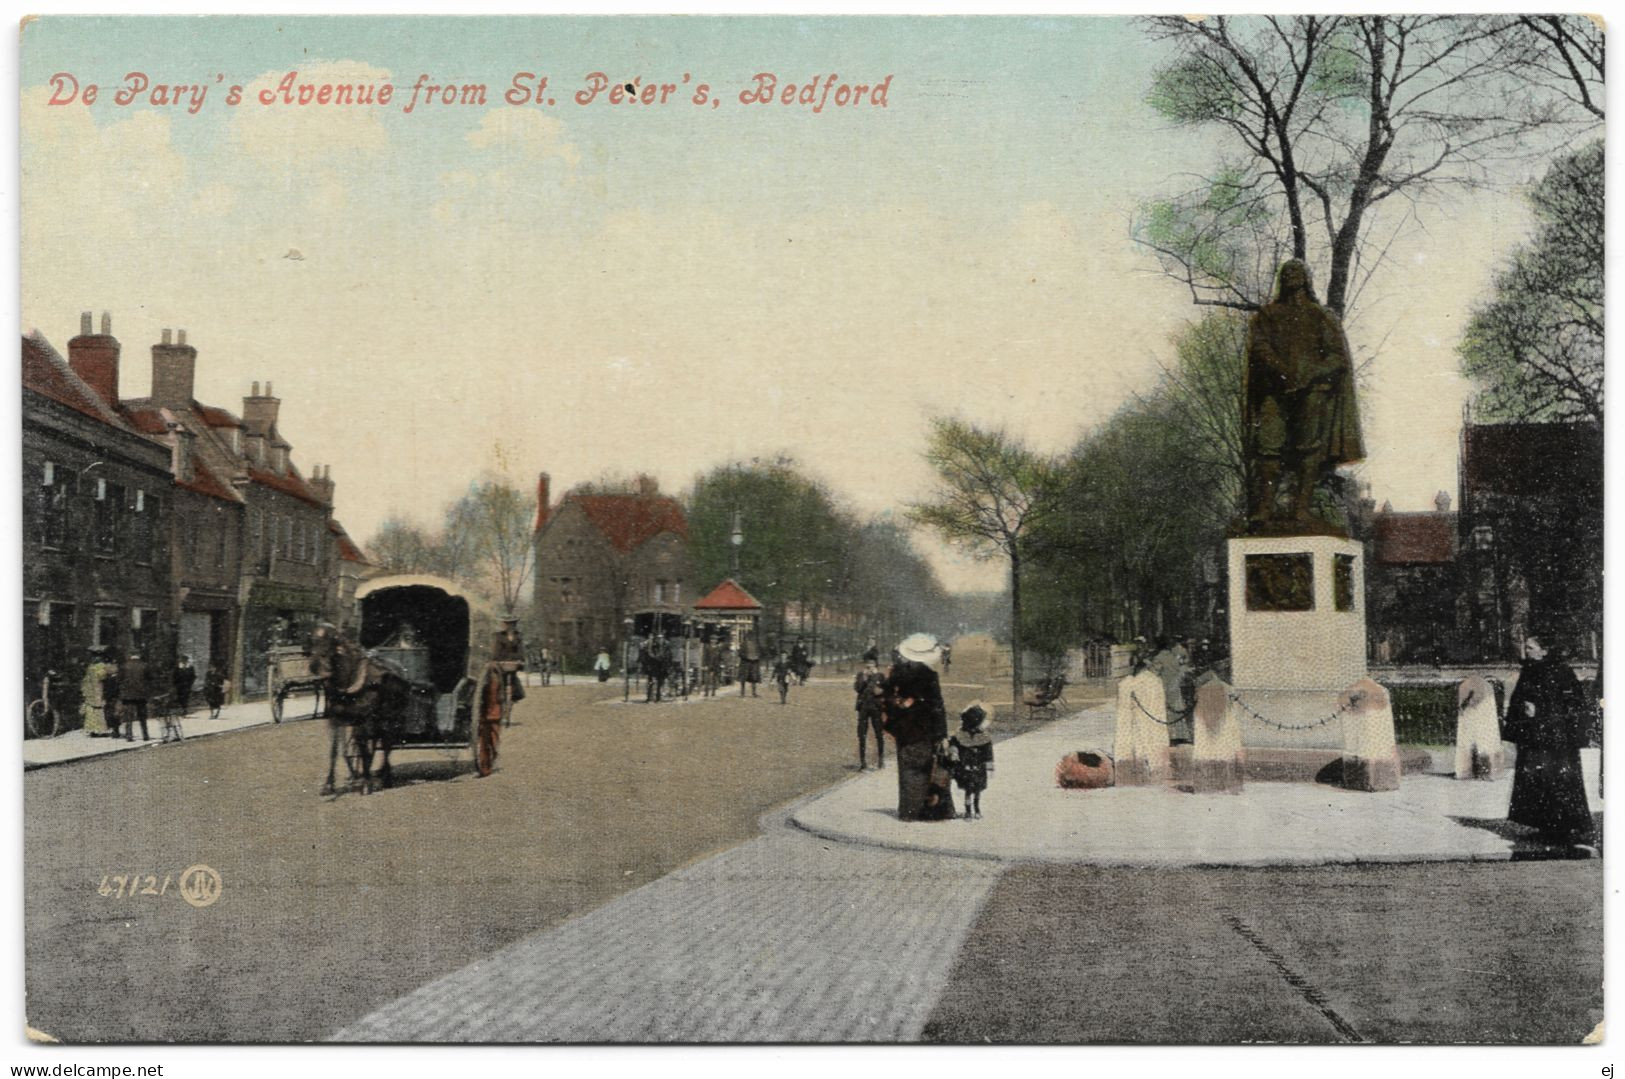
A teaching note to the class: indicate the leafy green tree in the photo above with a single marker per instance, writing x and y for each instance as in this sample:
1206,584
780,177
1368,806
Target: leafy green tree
1536,346
989,495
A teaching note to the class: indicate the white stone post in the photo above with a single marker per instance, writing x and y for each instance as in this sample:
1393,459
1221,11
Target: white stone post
1370,755
1140,746
1479,753
1217,756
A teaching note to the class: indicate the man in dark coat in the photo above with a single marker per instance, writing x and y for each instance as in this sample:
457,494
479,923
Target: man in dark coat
508,650
132,695
1549,720
918,722
185,678
870,687
750,663
1300,418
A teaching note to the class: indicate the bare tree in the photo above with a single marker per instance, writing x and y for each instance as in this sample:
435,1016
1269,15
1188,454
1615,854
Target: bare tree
499,519
401,547
989,494
1562,52
1329,119
1536,346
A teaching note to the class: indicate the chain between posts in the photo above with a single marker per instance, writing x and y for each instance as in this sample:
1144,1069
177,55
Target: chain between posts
1162,722
1251,713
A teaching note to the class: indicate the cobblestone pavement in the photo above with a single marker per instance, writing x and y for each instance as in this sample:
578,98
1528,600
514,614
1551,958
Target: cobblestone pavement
785,938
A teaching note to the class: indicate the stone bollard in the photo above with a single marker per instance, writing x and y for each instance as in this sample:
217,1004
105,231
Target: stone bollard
1140,747
1217,756
1479,753
1370,757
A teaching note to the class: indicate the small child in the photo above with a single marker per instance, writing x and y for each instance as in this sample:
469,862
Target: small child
973,750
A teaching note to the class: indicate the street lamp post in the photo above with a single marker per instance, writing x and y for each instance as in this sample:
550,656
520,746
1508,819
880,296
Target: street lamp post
736,539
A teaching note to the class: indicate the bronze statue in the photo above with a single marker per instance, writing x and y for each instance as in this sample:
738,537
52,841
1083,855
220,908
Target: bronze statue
1300,420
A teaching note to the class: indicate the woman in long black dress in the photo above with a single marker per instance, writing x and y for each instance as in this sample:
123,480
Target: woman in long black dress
1548,719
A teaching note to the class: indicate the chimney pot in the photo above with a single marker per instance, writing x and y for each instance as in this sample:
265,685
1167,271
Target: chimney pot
268,392
256,390
107,324
180,337
85,326
165,338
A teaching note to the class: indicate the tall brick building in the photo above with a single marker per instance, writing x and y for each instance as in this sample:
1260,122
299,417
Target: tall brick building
166,523
602,556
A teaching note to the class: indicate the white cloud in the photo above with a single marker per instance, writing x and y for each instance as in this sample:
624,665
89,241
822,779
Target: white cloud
301,138
526,133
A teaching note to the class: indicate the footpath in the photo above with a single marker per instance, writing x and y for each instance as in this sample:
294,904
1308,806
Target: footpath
78,745
841,923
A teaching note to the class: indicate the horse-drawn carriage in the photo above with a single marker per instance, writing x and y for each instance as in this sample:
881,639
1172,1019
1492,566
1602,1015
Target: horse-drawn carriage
405,681
289,674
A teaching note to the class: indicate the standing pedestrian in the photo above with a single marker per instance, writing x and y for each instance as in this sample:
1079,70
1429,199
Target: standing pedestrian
185,678
546,666
870,687
214,690
918,722
947,658
972,749
1170,664
601,665
1548,720
783,670
99,693
750,663
132,695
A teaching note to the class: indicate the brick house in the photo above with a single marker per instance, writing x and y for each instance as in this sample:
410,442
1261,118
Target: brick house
97,505
1411,585
602,556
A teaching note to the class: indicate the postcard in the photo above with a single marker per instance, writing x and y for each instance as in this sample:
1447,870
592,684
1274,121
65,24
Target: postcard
812,530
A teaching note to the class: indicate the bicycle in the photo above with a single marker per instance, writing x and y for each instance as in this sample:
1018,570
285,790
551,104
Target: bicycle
42,716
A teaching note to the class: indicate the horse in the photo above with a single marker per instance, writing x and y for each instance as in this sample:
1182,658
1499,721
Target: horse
366,701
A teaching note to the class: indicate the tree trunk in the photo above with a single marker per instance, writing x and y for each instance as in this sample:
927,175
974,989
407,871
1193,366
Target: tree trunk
1015,632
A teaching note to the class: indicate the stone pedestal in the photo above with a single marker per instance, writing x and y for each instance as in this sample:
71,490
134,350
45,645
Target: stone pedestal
1297,636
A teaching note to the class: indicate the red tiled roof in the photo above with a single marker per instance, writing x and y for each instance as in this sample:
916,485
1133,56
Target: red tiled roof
728,596
147,419
48,374
1415,537
348,551
630,521
290,484
216,417
205,482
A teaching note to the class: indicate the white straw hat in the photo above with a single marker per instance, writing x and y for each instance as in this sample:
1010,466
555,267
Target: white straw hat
919,648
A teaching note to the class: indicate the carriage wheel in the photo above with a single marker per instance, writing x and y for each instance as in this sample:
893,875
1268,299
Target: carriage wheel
277,703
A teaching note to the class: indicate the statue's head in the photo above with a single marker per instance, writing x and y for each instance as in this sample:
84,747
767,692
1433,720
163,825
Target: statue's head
1292,280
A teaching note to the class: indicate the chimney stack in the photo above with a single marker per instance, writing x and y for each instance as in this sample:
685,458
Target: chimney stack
1441,502
321,478
544,485
260,411
94,358
174,369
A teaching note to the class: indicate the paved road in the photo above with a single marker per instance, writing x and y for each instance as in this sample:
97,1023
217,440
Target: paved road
334,906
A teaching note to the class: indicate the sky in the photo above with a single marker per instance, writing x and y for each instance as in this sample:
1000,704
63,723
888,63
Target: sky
591,289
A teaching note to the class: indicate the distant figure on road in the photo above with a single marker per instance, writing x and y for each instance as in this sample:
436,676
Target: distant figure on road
782,673
750,664
947,659
601,665
656,669
185,678
870,687
918,722
973,756
1548,718
871,654
132,695
710,667
546,665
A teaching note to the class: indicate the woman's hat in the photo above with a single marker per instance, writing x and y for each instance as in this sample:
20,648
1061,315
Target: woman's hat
918,648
